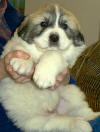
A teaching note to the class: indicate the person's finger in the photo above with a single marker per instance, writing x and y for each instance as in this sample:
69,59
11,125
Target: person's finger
61,76
9,68
18,77
55,86
65,72
32,72
29,75
23,80
14,74
59,79
16,54
26,80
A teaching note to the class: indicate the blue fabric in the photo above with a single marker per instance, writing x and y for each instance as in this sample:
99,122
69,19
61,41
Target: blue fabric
72,81
13,19
95,124
2,43
6,125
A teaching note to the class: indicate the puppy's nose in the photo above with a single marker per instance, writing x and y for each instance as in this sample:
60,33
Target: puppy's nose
54,38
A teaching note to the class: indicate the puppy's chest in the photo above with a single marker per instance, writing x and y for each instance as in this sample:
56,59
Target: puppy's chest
27,96
49,100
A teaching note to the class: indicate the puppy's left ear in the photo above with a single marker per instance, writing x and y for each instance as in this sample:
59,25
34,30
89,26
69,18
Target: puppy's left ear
24,30
78,38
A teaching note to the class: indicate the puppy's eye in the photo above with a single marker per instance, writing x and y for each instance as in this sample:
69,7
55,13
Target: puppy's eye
44,24
64,26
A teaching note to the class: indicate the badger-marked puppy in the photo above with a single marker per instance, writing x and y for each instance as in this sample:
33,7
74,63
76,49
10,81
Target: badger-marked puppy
53,39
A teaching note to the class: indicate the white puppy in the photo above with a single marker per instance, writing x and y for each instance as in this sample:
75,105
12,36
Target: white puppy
53,39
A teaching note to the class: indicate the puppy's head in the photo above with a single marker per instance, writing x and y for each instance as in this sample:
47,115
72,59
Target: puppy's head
52,27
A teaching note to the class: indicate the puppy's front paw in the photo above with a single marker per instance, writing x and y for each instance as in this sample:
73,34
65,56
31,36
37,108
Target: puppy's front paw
44,77
21,66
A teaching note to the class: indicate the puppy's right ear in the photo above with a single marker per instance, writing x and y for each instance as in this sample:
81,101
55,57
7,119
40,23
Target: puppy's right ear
24,30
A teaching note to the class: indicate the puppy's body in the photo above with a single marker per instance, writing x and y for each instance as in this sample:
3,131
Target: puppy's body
53,40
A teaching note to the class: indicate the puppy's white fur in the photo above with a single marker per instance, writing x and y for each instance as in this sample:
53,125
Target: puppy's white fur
33,108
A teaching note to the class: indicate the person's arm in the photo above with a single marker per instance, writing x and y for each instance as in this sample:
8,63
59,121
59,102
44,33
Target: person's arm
3,72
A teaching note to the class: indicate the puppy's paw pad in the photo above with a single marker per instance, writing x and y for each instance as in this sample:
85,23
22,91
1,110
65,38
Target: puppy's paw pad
21,66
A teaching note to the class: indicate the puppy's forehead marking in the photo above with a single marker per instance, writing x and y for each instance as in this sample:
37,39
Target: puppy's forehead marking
52,14
64,16
57,15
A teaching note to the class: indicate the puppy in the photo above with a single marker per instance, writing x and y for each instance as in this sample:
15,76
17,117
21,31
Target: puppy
53,39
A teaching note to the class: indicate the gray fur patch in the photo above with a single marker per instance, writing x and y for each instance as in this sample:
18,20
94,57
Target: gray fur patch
76,36
31,30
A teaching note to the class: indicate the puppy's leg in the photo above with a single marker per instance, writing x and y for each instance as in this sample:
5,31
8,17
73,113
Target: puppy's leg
49,66
57,122
78,106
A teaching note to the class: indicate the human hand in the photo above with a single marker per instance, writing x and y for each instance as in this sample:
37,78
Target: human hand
17,77
60,78
25,78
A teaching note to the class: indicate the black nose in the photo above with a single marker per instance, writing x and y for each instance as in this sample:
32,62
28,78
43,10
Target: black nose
54,37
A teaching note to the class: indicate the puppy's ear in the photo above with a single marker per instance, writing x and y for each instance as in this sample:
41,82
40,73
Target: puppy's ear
24,30
78,38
